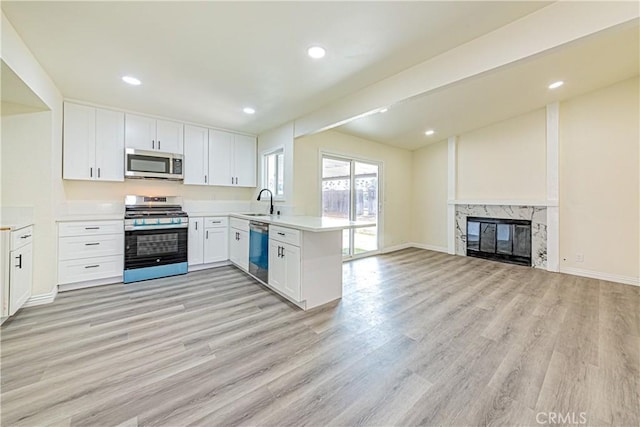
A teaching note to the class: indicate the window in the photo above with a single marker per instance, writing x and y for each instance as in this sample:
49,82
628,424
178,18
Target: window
273,172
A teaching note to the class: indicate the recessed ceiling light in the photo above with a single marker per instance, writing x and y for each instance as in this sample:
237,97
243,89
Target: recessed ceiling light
131,80
248,110
556,85
384,110
430,132
316,52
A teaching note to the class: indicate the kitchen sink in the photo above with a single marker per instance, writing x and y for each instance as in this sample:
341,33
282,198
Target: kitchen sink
255,214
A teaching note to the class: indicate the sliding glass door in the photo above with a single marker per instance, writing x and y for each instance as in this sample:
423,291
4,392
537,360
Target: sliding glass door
350,190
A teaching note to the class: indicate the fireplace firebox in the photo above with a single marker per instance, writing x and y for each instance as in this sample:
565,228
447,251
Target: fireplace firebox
506,240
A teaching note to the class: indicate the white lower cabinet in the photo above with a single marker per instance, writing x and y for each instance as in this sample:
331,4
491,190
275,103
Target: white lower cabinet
90,252
239,243
216,244
284,268
208,240
195,253
17,252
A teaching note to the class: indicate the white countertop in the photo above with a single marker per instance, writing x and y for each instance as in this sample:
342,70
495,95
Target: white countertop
15,226
306,223
90,217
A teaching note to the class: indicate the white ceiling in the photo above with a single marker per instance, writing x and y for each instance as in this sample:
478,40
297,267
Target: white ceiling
204,61
590,63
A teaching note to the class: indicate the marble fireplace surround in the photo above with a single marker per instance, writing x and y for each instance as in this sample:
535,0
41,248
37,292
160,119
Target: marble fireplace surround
536,214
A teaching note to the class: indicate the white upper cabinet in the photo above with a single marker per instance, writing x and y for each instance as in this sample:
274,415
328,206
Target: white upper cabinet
221,157
196,155
93,143
145,133
232,159
79,154
244,160
169,136
109,145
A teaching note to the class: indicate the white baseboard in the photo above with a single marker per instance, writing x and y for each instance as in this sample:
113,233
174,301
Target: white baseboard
430,247
206,266
396,248
414,245
41,299
90,284
627,280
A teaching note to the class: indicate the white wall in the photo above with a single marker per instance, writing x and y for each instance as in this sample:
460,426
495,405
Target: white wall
22,136
396,178
599,182
280,137
429,196
504,161
39,182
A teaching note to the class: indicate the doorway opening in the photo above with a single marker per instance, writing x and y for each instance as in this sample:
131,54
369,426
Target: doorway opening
351,190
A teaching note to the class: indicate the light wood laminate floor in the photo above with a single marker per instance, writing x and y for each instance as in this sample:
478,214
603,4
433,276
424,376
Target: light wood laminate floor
419,338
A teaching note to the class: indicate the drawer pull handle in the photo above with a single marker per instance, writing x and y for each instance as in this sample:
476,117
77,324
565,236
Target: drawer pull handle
216,222
92,228
92,244
281,234
26,236
19,258
92,266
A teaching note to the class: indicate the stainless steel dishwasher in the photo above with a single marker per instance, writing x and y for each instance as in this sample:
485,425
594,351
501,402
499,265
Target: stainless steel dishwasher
259,250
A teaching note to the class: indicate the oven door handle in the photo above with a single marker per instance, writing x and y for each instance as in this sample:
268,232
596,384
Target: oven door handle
154,227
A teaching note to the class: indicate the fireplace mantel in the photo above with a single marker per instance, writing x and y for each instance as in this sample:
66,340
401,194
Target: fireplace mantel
495,202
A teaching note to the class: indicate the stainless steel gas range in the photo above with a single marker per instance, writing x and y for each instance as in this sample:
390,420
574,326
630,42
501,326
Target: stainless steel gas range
156,232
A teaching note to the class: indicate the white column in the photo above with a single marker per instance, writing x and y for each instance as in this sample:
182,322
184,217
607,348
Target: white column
451,195
553,187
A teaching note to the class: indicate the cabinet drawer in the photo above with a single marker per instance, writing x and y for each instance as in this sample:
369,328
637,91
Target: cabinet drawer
21,237
240,224
285,235
90,228
216,221
77,247
82,270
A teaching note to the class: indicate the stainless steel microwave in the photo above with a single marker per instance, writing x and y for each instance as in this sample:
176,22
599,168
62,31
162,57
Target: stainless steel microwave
152,164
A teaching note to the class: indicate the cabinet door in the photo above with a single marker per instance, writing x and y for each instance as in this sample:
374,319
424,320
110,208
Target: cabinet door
221,158
291,258
277,275
109,145
195,241
79,153
170,137
239,248
216,244
140,132
244,160
20,278
196,155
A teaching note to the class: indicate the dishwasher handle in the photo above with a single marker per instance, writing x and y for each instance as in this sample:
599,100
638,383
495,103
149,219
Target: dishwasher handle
261,227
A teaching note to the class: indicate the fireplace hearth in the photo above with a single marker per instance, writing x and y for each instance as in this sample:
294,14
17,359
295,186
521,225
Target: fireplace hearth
499,239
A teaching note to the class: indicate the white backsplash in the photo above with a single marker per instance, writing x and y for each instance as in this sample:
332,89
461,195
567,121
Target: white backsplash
16,215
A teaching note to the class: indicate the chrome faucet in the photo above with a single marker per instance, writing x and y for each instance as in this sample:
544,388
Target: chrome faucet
271,194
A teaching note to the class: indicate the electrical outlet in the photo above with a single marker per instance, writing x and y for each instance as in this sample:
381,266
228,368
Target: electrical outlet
579,257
